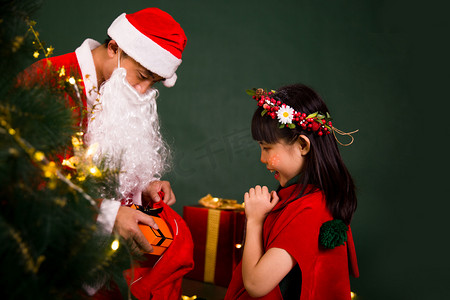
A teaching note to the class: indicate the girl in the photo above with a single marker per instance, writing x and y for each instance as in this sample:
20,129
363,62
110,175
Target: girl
298,242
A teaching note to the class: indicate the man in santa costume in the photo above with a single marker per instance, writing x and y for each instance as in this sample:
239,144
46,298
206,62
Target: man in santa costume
144,48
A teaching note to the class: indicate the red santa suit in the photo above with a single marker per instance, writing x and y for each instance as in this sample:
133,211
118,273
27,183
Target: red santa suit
323,273
156,41
159,279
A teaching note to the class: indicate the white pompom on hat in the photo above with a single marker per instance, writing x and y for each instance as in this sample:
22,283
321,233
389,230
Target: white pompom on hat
152,38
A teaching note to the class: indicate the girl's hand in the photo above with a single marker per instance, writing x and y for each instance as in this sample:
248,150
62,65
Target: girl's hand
259,202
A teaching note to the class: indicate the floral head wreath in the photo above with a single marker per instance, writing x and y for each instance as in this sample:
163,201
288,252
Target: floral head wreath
317,122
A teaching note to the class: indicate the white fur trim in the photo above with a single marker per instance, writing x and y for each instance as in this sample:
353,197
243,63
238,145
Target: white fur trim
87,67
107,214
170,82
142,49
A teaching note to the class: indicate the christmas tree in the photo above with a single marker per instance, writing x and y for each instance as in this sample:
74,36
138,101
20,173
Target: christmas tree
50,244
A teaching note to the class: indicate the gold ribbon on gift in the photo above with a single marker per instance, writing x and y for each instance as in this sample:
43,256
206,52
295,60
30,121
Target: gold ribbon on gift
212,238
220,203
212,234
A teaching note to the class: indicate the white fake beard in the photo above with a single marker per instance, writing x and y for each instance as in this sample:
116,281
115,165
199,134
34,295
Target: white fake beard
126,128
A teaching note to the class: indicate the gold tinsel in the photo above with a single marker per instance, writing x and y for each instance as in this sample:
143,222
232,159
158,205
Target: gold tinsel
220,203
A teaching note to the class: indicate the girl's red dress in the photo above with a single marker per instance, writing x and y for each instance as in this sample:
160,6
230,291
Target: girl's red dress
294,225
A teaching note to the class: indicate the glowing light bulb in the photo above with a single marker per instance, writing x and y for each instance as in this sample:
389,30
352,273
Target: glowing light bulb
115,245
352,295
50,50
39,156
72,80
49,169
238,246
95,171
62,72
76,142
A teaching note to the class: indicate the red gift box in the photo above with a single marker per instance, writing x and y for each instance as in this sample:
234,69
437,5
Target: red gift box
218,236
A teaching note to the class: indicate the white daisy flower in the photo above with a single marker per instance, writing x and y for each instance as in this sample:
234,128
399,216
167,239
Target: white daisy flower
285,114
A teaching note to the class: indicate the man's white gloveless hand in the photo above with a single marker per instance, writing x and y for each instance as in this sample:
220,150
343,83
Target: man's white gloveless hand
150,194
126,225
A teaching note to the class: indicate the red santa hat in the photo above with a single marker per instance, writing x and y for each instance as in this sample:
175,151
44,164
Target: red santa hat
152,38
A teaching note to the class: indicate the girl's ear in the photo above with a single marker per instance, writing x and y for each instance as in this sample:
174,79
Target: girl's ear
305,144
112,48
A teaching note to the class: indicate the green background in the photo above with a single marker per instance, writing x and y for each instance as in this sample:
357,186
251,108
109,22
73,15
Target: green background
382,68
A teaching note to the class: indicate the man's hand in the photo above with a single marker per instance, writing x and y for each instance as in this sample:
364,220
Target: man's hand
150,194
126,225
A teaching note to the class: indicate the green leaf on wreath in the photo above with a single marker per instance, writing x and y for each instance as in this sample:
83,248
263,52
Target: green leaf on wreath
281,126
263,112
312,115
291,126
251,92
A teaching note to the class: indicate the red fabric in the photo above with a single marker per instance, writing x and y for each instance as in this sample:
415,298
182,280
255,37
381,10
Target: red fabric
162,280
161,28
149,281
231,230
295,228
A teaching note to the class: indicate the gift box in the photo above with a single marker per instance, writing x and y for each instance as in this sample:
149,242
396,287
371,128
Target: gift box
160,238
218,237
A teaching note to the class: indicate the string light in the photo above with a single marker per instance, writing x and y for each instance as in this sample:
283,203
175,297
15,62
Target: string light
76,142
95,171
49,169
115,244
31,264
50,51
62,71
238,246
39,156
47,51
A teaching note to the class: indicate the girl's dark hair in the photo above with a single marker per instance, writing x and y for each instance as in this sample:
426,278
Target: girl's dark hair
324,167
